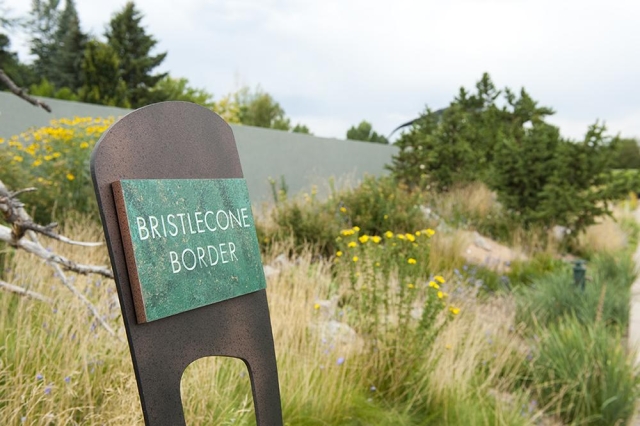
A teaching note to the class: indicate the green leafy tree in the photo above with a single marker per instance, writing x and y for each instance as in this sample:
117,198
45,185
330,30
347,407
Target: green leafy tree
259,109
17,71
178,89
101,76
70,44
364,132
132,46
626,153
301,128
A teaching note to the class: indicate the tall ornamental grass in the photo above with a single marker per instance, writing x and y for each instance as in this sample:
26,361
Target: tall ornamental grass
584,374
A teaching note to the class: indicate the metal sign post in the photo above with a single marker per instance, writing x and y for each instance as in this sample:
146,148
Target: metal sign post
169,141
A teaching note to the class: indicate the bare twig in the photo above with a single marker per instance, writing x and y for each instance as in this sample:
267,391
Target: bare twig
92,308
21,93
24,292
6,235
14,213
21,225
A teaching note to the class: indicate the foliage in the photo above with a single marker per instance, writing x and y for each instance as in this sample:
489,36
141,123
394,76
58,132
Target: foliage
364,132
70,42
18,72
541,179
101,76
605,299
377,205
132,46
380,204
47,89
178,89
43,25
584,374
54,159
626,154
255,108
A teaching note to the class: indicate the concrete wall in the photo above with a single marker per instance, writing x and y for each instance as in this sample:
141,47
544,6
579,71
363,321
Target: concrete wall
264,153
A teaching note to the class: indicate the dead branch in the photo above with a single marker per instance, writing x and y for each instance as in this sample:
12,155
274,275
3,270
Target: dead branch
14,213
24,292
22,93
22,225
7,235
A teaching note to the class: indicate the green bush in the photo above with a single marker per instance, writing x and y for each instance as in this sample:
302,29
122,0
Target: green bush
55,160
606,296
583,374
375,207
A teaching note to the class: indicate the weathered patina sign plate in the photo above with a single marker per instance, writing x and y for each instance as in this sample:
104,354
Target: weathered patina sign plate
188,243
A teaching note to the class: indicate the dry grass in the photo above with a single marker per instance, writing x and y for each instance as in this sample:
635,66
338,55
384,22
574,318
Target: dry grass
474,199
322,381
604,237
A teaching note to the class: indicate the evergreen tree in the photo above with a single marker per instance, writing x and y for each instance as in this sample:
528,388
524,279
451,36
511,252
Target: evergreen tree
364,132
69,49
9,62
101,76
43,25
132,46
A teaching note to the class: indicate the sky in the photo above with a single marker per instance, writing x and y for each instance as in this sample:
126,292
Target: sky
332,63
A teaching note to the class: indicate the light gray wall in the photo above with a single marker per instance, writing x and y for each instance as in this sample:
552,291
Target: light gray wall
302,160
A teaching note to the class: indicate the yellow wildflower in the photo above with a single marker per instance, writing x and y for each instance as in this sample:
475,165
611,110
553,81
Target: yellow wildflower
433,284
56,154
430,232
386,216
439,279
363,239
356,228
316,306
1,141
37,163
410,285
347,232
343,210
338,253
355,258
48,157
410,237
440,295
400,236
70,176
412,261
388,234
377,264
453,310
18,159
418,233
352,244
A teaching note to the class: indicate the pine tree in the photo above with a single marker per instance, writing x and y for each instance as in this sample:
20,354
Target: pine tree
132,46
101,76
69,49
43,26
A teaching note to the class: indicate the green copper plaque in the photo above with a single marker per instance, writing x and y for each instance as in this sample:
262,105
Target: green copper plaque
188,243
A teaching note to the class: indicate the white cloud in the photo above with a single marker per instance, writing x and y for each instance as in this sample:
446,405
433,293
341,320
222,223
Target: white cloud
333,61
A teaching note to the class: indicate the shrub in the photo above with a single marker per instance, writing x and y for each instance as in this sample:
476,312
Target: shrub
376,206
584,375
54,159
541,179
